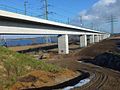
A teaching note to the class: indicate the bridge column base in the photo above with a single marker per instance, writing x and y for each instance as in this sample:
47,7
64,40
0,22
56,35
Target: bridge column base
83,41
63,45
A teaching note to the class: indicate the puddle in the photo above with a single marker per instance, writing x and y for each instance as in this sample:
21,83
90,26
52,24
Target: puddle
80,61
81,83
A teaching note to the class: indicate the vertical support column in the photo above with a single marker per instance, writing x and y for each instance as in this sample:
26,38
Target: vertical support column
92,39
96,38
100,38
63,44
108,35
104,36
83,41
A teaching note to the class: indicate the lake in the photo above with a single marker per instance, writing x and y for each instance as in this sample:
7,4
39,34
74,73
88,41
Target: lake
28,41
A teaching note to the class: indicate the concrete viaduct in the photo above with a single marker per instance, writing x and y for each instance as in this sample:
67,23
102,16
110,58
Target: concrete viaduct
17,24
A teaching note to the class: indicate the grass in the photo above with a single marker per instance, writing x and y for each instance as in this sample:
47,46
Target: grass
13,65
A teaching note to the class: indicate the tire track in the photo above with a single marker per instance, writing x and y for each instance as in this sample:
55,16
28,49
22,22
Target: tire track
97,81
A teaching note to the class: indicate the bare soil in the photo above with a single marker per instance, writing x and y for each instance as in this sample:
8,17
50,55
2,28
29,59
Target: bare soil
41,78
103,78
20,48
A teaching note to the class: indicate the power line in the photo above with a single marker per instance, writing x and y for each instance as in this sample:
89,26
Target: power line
68,20
81,21
25,7
92,25
66,11
45,14
112,20
45,9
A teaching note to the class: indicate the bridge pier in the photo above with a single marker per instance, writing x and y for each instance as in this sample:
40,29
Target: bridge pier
97,39
83,41
63,44
92,39
100,37
105,36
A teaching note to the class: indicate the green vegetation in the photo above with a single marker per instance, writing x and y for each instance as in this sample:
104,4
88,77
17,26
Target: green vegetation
13,65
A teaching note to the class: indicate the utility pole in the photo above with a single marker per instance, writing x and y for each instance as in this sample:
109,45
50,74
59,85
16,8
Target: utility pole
46,17
46,12
68,21
25,7
46,9
112,20
92,27
81,21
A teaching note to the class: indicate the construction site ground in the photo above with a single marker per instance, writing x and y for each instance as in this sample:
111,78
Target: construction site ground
103,78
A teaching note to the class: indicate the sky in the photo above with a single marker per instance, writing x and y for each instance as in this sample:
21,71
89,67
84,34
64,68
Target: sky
61,10
100,13
94,13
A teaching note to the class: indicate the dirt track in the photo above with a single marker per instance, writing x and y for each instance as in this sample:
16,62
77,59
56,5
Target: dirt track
103,78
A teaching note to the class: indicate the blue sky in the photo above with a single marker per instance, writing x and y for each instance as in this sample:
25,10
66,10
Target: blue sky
61,9
93,11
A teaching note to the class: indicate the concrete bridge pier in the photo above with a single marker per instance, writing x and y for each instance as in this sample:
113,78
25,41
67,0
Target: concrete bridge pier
83,41
105,36
63,45
100,37
97,38
92,39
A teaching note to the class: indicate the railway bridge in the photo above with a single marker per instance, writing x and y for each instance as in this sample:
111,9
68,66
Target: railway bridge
18,24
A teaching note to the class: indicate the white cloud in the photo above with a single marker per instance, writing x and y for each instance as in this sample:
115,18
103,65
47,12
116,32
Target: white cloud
101,11
104,3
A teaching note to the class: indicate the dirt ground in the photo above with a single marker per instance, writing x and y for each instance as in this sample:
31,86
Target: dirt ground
20,48
41,78
103,78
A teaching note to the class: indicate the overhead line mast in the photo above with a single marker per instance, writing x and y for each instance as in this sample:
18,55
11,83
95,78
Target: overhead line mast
112,20
46,9
25,7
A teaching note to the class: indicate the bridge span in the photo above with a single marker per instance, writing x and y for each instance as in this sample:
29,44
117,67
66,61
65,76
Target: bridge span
17,24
